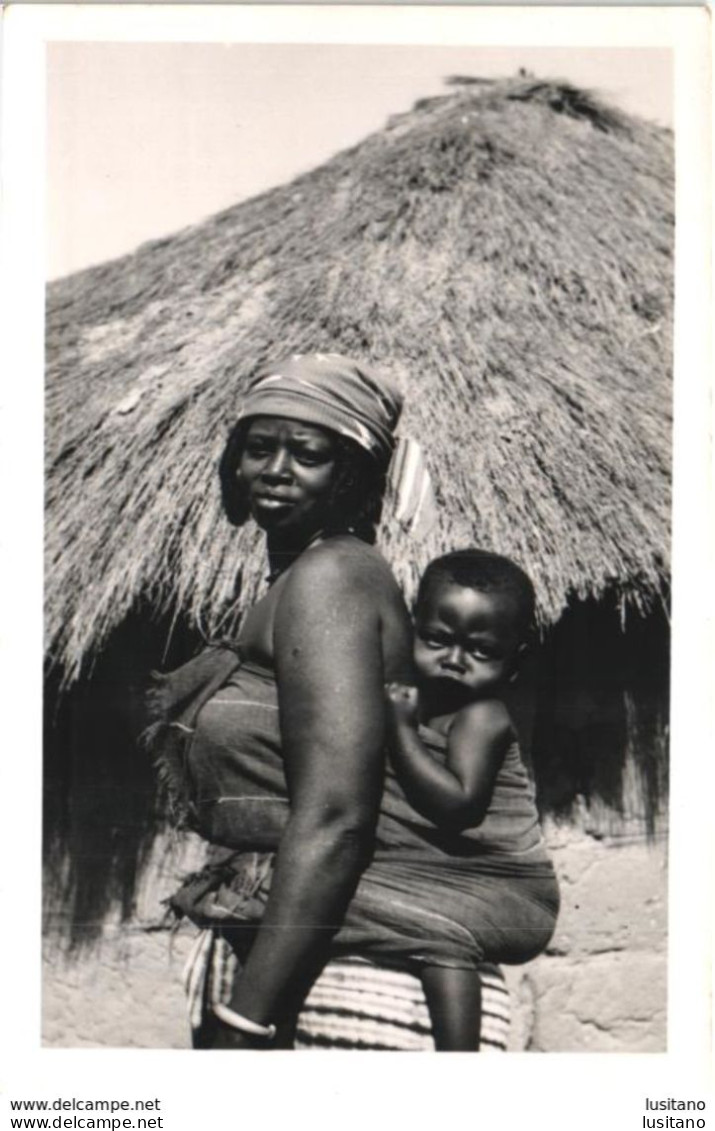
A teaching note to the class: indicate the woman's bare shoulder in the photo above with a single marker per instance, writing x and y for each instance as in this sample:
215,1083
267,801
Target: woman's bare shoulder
345,561
344,584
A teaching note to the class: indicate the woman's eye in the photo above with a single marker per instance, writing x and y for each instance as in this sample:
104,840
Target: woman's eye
311,458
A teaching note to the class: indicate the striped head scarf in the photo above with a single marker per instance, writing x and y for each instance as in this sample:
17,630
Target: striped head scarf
333,391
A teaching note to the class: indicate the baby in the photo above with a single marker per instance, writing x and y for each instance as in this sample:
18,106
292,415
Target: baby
455,754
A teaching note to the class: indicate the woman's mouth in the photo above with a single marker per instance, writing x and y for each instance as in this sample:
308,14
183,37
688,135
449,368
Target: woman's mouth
272,502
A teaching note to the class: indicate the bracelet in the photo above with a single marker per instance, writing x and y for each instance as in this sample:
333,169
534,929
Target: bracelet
243,1024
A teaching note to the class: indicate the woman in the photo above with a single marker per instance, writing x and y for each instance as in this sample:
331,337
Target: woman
308,460
286,752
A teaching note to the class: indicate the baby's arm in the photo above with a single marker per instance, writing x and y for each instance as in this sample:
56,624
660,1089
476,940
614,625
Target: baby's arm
456,794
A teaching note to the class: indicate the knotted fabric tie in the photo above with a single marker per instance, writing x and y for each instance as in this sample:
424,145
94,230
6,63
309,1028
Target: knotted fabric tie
410,488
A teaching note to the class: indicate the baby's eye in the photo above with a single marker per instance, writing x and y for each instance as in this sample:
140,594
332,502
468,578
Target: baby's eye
433,641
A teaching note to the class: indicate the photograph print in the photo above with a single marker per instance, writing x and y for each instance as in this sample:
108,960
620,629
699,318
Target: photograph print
357,532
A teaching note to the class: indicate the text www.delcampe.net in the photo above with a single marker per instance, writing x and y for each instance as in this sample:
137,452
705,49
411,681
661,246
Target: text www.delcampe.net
87,1115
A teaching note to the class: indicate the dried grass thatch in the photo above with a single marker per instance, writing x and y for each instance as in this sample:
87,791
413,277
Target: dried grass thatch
505,251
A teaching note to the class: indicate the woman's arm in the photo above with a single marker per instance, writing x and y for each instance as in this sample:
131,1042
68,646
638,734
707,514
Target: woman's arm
329,668
455,795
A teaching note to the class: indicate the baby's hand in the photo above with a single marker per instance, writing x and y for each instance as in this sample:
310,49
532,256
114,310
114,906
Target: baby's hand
402,703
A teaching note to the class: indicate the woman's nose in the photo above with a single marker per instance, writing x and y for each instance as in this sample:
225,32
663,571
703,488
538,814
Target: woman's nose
278,466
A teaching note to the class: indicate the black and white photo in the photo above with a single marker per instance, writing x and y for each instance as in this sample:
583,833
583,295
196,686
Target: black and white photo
361,725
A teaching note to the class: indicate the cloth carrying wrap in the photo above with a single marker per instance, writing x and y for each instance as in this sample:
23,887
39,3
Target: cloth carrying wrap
487,894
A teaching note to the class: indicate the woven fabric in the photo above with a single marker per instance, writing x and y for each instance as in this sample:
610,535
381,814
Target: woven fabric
410,488
424,898
333,392
353,1005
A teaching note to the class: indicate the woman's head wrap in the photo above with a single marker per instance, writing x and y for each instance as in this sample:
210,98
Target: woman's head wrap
334,392
351,399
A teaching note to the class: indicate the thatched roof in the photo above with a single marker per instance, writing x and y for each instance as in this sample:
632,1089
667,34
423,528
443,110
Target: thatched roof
505,251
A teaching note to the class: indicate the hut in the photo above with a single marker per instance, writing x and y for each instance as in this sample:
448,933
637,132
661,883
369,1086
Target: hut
505,252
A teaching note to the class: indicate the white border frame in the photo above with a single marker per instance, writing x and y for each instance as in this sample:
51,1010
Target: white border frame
581,1090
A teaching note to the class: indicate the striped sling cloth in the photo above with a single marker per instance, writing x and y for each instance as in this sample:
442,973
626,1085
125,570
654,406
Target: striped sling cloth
353,1004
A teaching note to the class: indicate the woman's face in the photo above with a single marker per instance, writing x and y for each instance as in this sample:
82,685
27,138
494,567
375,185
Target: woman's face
288,469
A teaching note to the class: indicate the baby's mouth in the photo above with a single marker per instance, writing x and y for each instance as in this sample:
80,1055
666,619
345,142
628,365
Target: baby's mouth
452,674
448,682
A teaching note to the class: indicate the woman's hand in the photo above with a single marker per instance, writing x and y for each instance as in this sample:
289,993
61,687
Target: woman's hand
402,705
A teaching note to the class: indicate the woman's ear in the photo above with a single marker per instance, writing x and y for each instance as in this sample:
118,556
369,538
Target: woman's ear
233,494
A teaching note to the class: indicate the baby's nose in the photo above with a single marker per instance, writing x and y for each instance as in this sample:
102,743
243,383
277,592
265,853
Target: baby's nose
455,656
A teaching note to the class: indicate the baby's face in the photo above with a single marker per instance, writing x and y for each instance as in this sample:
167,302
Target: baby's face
466,637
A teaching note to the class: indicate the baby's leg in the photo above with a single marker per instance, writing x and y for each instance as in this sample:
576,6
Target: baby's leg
454,1000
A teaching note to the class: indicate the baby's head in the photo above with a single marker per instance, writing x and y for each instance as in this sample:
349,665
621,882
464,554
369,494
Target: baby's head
473,615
